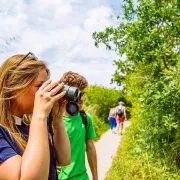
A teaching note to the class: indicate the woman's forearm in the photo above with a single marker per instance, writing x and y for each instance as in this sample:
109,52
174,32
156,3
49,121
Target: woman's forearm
36,157
62,144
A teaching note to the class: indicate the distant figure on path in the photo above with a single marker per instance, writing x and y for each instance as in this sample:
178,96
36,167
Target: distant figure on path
112,119
121,117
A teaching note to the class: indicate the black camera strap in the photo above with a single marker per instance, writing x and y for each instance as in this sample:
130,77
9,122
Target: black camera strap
84,120
52,148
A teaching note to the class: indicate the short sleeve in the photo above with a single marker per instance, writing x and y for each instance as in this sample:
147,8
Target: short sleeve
6,151
110,112
90,128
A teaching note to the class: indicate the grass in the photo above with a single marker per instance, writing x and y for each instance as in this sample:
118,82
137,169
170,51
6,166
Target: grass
133,163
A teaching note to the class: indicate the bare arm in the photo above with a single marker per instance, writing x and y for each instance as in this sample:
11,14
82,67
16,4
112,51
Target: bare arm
34,164
36,158
92,158
61,142
125,113
115,110
8,166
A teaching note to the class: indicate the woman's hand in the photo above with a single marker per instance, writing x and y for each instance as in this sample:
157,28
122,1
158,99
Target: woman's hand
46,96
58,109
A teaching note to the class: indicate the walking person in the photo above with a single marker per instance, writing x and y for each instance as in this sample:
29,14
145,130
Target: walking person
80,134
26,150
121,117
112,119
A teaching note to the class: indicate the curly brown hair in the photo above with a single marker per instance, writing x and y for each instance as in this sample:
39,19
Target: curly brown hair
74,79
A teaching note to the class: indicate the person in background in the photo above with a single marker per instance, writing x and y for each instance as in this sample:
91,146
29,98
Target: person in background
26,151
79,136
112,119
121,117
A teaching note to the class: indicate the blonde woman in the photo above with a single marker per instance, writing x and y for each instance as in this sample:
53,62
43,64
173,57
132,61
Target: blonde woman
26,150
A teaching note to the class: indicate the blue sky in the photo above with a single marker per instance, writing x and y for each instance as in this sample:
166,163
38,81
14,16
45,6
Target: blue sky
60,33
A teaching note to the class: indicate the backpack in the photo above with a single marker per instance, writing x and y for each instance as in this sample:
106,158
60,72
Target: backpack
84,120
120,112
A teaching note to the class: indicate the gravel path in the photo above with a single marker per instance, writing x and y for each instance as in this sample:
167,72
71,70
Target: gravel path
106,149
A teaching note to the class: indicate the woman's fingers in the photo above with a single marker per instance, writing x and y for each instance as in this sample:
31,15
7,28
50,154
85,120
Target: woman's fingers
50,92
45,84
59,96
55,90
62,103
50,86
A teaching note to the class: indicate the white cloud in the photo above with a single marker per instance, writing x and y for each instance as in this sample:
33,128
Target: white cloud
98,19
96,72
63,28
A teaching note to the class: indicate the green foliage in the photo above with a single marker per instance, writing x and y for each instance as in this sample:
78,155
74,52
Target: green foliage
100,125
153,38
148,43
101,99
132,163
161,110
98,101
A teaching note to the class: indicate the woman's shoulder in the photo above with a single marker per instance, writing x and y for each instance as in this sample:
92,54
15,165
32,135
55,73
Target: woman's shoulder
7,148
8,155
8,145
3,132
5,136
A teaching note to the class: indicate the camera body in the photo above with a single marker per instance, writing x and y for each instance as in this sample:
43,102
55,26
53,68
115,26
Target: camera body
72,93
73,96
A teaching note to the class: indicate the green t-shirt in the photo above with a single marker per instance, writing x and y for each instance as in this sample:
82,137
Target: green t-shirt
76,132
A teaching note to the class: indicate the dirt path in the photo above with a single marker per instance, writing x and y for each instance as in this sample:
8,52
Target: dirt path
106,149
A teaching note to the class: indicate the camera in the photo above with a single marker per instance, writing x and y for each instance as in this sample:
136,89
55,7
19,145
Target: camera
73,96
72,93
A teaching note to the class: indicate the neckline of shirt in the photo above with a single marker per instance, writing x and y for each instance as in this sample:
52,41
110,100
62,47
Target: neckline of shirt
18,120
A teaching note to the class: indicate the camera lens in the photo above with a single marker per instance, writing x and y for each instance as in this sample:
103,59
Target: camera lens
71,92
72,108
78,97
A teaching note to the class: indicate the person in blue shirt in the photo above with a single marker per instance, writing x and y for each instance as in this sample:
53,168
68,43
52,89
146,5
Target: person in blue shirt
112,119
26,147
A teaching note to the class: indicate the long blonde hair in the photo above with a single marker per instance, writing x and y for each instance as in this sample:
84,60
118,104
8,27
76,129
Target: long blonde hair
16,75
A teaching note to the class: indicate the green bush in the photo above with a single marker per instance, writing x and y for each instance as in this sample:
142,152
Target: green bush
101,99
98,101
134,163
147,42
99,125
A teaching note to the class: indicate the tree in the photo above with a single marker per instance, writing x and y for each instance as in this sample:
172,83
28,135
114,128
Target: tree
149,39
148,36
